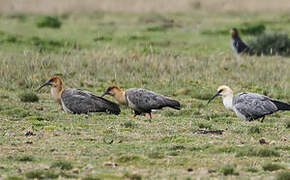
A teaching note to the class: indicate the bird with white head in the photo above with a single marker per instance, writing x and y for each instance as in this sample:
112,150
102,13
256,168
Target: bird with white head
249,106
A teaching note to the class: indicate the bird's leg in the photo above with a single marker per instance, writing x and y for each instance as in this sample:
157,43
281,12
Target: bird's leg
150,116
262,120
134,115
61,108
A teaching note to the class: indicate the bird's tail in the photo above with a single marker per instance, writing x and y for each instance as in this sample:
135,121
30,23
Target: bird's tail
249,51
173,104
111,107
281,105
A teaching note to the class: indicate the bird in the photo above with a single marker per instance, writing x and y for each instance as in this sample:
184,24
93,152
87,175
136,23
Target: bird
78,101
238,45
249,106
141,100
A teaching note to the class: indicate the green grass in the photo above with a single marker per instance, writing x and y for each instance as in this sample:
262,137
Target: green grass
229,170
283,175
41,174
272,167
48,22
260,152
64,165
183,55
28,97
252,170
14,178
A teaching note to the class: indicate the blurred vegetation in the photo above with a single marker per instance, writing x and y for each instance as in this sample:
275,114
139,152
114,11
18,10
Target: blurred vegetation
284,175
272,167
271,43
252,29
255,28
28,96
48,22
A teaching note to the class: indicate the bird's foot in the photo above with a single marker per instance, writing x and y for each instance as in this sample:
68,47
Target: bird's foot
150,116
134,115
262,120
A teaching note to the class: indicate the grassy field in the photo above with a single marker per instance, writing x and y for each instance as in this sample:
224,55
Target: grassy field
184,55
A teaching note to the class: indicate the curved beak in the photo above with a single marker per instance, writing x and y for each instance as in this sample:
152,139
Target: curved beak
47,83
105,93
210,99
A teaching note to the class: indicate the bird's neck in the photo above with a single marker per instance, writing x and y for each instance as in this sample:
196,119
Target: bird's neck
56,93
228,101
120,97
235,37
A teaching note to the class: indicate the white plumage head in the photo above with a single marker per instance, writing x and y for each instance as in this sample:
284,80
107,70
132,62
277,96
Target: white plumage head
224,91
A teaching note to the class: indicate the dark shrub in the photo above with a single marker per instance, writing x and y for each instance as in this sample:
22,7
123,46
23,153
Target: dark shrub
41,174
64,165
283,175
256,151
252,29
28,97
272,167
48,21
271,44
229,170
14,178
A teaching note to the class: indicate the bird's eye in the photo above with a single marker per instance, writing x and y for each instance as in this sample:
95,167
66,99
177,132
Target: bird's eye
220,90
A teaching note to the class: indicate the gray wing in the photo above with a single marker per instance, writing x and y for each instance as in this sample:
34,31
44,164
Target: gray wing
79,101
253,106
145,100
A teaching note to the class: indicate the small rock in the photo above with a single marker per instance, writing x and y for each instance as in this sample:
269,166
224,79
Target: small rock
284,139
272,143
92,139
29,133
52,150
189,169
108,140
28,142
76,170
89,166
19,170
39,135
44,166
227,58
39,108
110,164
262,141
45,109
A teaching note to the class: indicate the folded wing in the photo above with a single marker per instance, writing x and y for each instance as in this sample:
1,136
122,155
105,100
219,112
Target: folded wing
79,101
145,100
254,106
